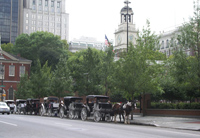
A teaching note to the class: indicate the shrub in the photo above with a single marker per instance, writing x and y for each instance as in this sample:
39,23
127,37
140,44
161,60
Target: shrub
175,106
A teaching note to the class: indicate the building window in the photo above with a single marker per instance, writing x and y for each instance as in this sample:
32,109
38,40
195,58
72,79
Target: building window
2,70
52,3
40,2
58,4
33,22
40,23
39,29
21,71
52,18
167,43
11,70
58,19
26,27
33,16
162,45
46,3
33,28
11,94
40,17
26,15
33,2
26,21
58,25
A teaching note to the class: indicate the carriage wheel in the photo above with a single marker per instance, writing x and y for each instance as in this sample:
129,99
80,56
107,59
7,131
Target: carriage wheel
97,116
71,114
49,113
61,113
108,118
84,114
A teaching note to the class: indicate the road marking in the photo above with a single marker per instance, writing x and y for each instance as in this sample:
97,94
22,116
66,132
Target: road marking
8,123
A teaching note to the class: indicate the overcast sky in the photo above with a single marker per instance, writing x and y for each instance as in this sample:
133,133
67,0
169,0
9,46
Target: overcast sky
95,18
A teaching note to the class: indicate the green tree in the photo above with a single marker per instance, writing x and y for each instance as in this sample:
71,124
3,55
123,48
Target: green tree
61,80
44,46
7,47
23,88
85,67
187,68
106,69
41,81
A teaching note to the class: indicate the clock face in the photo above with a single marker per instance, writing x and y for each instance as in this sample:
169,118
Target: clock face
131,38
119,39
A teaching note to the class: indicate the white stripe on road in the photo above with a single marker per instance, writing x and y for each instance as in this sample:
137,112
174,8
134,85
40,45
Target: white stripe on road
8,123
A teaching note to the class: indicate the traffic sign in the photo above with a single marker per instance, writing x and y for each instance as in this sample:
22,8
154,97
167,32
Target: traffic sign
4,95
2,86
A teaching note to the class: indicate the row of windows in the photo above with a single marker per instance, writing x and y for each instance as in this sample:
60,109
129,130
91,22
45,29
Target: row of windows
46,3
33,28
46,17
11,70
46,24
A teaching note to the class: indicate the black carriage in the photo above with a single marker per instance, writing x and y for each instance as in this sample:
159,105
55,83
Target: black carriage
98,107
32,106
11,104
20,106
50,106
71,107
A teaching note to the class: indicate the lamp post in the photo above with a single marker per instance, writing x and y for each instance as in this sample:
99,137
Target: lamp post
127,2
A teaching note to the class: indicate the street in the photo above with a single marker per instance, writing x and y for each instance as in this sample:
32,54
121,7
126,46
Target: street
27,126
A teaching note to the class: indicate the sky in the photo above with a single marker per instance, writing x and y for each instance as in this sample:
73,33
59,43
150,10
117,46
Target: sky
97,18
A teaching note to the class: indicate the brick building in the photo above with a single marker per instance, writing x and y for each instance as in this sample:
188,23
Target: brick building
11,69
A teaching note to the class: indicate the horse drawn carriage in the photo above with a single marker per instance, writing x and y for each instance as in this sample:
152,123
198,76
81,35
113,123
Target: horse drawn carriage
32,106
71,107
50,106
11,104
98,107
20,106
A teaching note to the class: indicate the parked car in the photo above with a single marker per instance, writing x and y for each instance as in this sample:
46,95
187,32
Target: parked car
98,107
32,106
11,104
20,106
71,107
50,106
4,108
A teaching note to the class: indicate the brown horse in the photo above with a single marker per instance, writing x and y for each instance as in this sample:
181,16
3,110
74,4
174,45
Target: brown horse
118,110
124,110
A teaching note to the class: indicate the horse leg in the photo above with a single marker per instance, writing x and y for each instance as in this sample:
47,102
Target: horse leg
128,119
123,117
115,118
120,117
125,121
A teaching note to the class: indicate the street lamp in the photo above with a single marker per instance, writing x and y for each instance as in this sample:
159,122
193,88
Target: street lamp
127,2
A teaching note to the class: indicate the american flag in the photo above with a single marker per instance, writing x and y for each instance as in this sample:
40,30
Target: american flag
106,41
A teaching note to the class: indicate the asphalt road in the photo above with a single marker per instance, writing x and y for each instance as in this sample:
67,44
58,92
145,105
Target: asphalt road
27,126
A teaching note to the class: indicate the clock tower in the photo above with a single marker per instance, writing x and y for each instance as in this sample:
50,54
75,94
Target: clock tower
121,32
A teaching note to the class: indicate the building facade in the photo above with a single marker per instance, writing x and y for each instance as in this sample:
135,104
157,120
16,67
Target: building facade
11,69
168,43
9,20
84,43
45,15
28,16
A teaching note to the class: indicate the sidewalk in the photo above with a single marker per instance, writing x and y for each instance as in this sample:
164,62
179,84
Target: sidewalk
168,122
